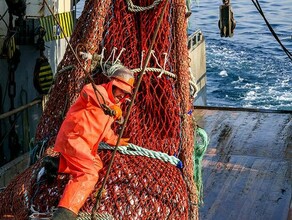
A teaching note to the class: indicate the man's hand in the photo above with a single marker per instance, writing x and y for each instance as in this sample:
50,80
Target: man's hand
118,112
124,141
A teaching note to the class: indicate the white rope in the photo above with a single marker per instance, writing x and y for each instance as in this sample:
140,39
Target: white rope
118,57
156,60
161,69
193,86
135,150
101,59
152,69
114,53
111,54
105,66
116,65
98,216
113,69
86,55
135,8
41,215
165,60
142,56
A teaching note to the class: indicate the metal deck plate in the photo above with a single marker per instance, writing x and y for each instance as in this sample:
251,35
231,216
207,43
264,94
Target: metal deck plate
247,166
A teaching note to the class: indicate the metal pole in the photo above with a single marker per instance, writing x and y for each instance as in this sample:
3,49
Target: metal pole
16,110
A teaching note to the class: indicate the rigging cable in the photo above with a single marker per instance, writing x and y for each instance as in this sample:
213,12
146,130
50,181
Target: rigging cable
87,74
258,7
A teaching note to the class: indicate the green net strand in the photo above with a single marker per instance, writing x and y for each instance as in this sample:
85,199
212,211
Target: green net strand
201,143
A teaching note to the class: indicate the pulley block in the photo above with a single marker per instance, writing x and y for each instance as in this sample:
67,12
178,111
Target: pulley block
226,20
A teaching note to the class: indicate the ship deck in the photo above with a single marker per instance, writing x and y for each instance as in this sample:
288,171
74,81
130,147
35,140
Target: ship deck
247,165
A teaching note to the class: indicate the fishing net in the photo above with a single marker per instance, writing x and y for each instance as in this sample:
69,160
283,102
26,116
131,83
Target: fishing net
138,187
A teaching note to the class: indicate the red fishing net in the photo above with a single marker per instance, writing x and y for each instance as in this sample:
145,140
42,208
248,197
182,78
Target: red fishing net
138,187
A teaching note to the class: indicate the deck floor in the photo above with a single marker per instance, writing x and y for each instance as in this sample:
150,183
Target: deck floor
247,166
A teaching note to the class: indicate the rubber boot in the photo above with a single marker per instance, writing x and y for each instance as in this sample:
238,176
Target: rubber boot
64,214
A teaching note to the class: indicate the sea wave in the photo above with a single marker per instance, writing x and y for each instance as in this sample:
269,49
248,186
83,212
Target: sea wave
250,69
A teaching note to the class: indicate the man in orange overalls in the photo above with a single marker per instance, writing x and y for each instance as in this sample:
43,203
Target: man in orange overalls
84,127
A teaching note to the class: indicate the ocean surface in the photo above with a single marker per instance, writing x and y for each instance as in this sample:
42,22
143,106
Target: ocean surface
250,69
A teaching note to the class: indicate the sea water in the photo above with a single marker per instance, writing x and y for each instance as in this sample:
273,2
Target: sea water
250,69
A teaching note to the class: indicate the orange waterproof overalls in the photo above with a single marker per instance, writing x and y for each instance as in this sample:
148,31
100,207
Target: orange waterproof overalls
84,127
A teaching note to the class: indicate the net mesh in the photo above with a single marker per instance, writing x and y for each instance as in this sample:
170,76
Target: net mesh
137,187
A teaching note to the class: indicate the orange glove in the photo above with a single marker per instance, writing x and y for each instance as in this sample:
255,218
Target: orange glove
124,141
118,111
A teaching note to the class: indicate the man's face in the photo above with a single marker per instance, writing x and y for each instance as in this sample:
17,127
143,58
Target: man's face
118,94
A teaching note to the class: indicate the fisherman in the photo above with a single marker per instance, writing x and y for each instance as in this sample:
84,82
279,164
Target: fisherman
87,123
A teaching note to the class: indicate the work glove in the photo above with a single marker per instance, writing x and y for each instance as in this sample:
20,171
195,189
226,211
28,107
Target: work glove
51,165
118,114
124,141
